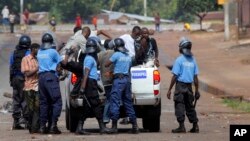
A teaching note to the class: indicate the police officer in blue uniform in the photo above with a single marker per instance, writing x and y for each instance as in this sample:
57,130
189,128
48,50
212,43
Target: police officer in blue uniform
49,89
185,72
121,88
89,89
20,111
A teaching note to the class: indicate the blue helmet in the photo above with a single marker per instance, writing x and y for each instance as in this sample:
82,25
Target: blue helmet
185,46
47,38
47,41
24,41
119,45
91,46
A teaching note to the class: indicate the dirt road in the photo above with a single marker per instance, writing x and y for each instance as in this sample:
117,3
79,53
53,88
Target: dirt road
214,116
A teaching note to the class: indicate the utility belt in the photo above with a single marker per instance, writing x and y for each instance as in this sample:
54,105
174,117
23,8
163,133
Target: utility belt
183,83
120,75
41,73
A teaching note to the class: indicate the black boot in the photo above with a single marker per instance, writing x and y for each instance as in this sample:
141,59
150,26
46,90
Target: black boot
195,128
103,128
16,125
125,121
49,124
180,129
114,129
54,129
43,129
80,130
135,128
23,121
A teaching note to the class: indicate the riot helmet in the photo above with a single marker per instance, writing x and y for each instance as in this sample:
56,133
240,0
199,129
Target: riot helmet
119,45
47,38
106,44
24,41
98,41
91,46
185,46
47,41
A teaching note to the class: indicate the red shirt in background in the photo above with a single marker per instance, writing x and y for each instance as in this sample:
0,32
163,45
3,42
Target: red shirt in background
78,21
26,14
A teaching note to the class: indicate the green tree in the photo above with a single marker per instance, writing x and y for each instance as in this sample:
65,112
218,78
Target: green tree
66,10
199,8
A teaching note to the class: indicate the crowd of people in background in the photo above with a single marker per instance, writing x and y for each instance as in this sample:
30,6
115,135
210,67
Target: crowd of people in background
9,19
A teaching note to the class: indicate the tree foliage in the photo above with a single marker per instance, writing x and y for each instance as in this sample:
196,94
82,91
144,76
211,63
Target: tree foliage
199,8
66,10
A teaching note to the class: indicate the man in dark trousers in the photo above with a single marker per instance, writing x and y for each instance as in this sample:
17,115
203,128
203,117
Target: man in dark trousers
29,67
121,88
49,89
20,112
89,88
185,72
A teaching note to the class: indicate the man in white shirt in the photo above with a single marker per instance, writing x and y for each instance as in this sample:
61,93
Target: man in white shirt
129,40
5,15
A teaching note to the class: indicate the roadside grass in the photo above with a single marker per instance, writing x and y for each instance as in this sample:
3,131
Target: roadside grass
237,104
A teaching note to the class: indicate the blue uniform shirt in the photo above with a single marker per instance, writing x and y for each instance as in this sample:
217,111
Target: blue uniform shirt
185,68
122,62
48,59
90,63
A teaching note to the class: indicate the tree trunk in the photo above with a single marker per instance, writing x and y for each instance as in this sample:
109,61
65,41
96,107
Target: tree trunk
201,19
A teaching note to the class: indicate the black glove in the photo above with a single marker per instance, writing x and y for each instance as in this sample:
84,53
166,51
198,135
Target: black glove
69,51
197,95
82,91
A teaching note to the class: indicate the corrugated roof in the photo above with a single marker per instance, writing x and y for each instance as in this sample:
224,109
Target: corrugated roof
113,15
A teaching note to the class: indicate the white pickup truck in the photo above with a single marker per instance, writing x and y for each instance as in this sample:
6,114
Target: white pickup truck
146,96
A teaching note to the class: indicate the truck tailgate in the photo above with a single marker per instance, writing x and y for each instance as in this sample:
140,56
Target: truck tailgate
142,81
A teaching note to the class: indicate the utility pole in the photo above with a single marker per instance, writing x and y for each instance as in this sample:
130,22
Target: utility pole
226,21
21,11
112,5
145,8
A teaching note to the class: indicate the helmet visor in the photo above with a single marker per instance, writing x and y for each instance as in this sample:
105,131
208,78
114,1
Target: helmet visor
122,49
187,52
90,50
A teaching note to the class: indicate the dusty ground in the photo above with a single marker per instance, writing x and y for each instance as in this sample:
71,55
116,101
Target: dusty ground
213,55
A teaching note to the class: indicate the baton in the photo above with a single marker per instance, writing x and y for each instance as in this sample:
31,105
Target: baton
195,101
87,100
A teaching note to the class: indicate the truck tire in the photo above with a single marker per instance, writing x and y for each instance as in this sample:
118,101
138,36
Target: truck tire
73,119
152,124
151,118
67,117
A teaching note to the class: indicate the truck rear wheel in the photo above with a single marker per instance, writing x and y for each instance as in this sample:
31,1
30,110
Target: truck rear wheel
151,118
151,124
67,117
72,119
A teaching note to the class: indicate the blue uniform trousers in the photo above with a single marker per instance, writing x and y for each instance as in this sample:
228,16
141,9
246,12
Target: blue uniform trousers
50,97
106,112
121,91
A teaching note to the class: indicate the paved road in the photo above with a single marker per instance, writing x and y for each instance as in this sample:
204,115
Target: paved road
214,117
